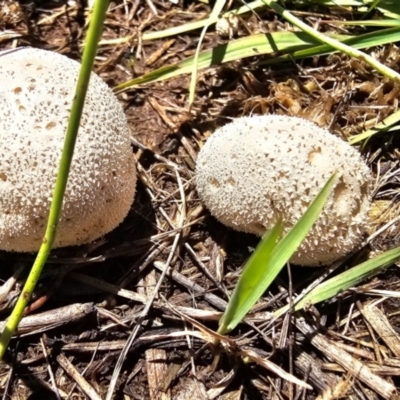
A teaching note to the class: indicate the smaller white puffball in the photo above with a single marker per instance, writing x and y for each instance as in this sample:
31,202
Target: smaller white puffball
227,27
37,88
256,170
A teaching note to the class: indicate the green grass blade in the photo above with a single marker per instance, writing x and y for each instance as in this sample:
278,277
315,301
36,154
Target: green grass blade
337,3
371,7
248,287
246,294
298,44
372,39
93,36
346,280
219,5
246,47
373,22
339,46
385,6
384,126
389,8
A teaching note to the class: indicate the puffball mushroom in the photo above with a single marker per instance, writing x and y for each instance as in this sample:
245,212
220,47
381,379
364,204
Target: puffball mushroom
257,170
36,93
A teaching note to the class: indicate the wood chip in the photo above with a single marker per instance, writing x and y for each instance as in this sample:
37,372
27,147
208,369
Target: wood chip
219,387
157,369
190,389
381,325
311,366
234,395
347,362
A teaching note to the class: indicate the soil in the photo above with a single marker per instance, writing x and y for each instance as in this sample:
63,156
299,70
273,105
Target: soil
93,297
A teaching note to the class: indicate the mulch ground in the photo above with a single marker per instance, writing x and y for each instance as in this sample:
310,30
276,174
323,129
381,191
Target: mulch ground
89,313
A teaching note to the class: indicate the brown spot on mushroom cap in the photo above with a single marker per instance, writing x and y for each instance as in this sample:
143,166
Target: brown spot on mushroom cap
267,182
36,92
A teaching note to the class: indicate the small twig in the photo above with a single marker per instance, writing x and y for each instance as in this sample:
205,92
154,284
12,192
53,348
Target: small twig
152,7
138,268
146,309
10,374
189,342
53,381
189,284
85,370
206,272
9,284
84,385
290,330
156,155
109,287
52,319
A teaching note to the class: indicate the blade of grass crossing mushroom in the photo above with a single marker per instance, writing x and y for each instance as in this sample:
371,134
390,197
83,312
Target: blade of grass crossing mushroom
266,263
346,280
351,51
298,44
92,39
219,5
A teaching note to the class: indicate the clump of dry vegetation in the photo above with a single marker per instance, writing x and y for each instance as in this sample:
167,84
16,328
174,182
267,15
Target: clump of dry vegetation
97,327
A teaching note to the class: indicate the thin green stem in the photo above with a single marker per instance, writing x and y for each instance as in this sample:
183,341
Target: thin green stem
89,53
352,52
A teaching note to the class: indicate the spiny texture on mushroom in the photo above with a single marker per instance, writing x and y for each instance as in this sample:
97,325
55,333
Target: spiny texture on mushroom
256,170
36,92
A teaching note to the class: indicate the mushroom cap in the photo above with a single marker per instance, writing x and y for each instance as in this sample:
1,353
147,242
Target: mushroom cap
37,88
256,170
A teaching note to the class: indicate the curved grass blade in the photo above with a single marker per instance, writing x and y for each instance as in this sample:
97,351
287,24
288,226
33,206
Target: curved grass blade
369,22
254,45
93,36
219,5
260,271
246,292
384,126
298,44
379,38
339,46
346,280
